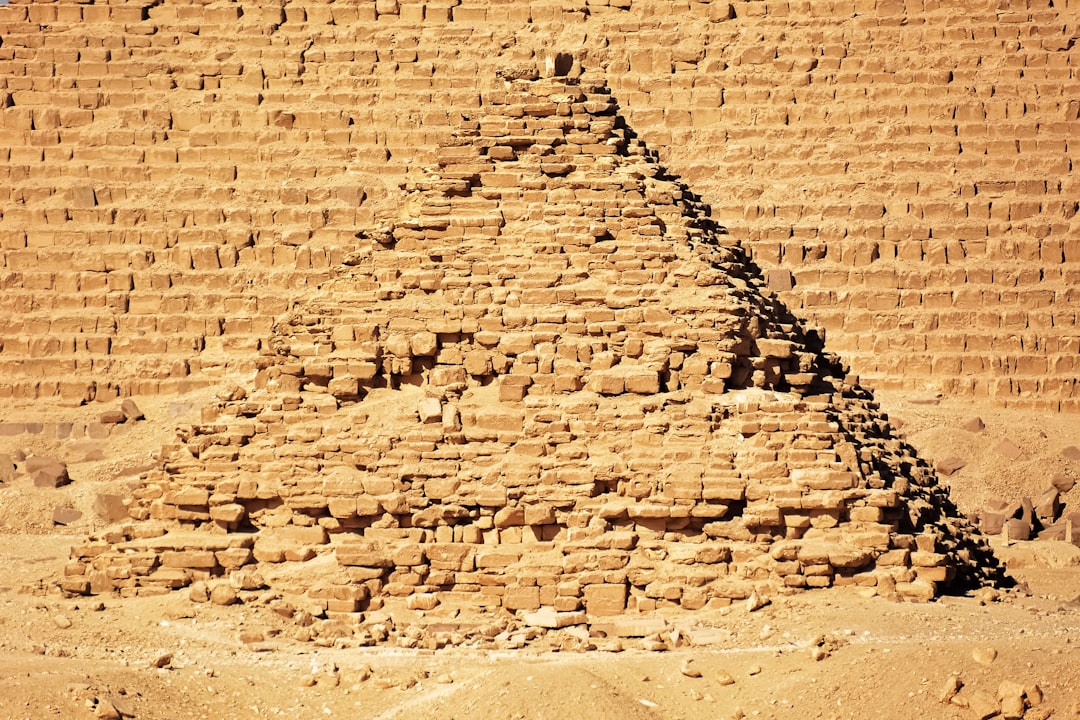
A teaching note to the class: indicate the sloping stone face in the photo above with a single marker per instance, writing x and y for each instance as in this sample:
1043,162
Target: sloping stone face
546,379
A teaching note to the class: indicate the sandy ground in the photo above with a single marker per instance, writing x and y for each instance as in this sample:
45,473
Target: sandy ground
826,654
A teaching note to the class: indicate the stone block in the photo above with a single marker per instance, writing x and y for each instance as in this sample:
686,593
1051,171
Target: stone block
823,478
66,515
363,553
1008,449
49,475
197,559
604,599
425,344
229,513
7,468
457,557
521,598
950,465
130,410
430,410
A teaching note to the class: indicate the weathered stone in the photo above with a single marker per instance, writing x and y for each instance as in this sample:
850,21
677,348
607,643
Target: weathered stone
66,515
131,410
52,474
950,465
605,599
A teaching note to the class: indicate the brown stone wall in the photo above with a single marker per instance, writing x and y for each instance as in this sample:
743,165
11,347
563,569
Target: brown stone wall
174,175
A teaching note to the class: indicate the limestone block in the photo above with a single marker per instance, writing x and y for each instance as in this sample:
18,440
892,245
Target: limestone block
496,419
131,410
447,376
189,496
780,349
683,488
200,559
603,599
232,558
368,505
430,410
344,387
457,557
513,344
52,474
425,344
110,508
605,383
441,488
513,388
723,488
363,553
521,598
816,478
439,515
228,513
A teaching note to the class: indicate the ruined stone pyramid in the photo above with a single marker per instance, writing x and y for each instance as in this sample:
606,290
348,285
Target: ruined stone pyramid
544,380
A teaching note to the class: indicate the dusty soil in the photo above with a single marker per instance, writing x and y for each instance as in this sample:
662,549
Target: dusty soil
826,654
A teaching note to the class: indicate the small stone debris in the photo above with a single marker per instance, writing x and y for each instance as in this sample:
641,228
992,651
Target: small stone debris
687,668
223,594
950,465
551,619
973,425
950,688
652,644
131,410
422,601
251,637
1043,518
233,393
756,601
754,670
62,621
66,515
984,655
1071,453
162,661
821,647
987,595
105,710
983,705
1011,696
112,417
123,706
1008,450
47,472
7,468
110,508
1062,482
199,592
